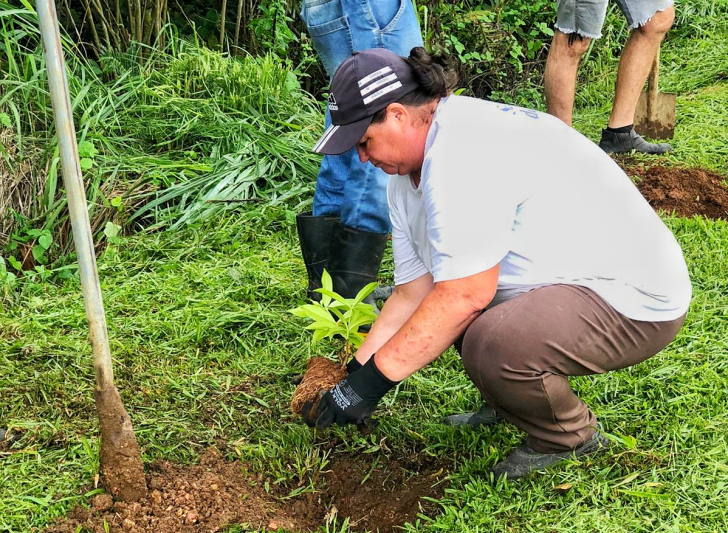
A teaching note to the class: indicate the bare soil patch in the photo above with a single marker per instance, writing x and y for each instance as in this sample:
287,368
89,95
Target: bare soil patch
376,495
684,191
215,495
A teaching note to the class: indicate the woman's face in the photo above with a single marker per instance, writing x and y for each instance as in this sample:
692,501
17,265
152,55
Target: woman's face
397,145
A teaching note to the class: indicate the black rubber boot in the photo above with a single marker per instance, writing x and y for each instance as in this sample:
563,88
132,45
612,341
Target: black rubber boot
617,143
355,259
314,236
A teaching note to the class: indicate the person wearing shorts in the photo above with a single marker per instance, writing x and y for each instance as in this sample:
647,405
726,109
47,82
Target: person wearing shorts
347,230
580,21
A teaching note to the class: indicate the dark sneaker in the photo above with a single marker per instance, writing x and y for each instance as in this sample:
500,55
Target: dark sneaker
619,143
523,460
382,292
485,416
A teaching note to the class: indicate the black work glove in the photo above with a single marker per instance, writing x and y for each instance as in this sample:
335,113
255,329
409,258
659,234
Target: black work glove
352,400
353,365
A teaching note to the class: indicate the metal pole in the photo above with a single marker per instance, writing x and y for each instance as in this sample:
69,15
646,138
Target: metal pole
75,191
121,463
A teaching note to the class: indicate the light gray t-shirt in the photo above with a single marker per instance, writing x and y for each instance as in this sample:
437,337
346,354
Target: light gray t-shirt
503,184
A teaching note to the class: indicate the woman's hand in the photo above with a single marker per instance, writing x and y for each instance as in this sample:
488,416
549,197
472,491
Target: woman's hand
351,401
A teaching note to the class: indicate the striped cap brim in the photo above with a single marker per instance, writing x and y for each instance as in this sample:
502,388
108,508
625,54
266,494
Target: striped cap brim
338,139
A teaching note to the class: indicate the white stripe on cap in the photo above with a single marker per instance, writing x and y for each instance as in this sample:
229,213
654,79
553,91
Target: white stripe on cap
325,137
374,75
375,85
381,92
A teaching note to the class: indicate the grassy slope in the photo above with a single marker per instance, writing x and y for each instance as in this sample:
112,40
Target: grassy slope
203,349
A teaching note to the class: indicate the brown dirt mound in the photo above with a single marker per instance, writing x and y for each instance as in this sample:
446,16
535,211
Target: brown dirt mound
683,191
215,495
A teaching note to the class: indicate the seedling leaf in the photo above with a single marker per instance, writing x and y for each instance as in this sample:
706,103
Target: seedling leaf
327,284
331,295
313,311
364,292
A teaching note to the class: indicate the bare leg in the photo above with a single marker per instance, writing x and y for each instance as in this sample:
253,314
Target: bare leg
634,66
560,76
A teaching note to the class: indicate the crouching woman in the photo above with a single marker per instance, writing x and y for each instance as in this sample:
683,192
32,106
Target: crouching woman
514,237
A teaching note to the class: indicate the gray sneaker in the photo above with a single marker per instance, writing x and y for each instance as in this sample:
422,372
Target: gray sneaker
619,143
523,460
382,292
484,416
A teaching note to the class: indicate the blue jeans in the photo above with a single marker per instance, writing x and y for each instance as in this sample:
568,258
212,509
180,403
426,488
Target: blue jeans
345,187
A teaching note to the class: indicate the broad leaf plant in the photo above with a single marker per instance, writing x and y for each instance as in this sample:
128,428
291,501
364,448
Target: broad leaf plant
335,315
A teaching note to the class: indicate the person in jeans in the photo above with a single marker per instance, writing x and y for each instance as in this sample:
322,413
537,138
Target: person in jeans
539,267
347,231
580,21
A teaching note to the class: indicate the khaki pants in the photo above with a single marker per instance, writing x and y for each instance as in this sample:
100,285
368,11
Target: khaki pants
520,353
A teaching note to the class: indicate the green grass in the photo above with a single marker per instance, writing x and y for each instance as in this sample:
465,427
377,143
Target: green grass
204,348
701,138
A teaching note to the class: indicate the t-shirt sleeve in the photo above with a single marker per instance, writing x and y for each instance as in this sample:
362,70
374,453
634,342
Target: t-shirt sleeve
471,202
407,264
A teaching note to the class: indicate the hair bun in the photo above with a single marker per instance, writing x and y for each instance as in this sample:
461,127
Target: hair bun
433,72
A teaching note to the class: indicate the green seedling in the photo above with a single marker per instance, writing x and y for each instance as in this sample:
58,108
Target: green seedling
335,315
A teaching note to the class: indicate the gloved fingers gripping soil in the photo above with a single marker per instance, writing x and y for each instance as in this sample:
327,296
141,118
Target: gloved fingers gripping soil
321,378
351,366
352,400
312,411
367,425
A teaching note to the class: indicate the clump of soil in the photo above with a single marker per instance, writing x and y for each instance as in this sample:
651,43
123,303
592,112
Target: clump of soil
120,460
212,496
683,191
321,375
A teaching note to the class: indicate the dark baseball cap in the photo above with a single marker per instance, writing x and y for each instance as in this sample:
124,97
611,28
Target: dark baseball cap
363,84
